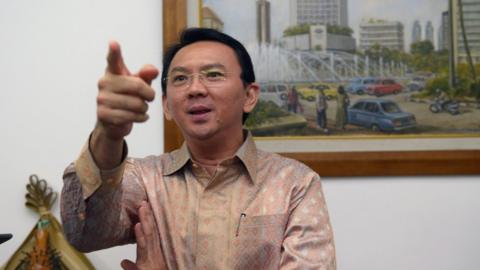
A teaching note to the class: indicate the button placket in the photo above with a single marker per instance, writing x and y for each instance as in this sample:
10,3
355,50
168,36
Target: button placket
213,227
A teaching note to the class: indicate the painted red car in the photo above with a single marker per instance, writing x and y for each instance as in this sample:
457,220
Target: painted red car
384,87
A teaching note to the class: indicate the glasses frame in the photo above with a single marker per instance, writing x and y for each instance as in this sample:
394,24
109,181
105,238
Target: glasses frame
201,77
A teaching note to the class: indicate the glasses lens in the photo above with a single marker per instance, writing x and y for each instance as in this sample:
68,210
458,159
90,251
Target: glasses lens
178,79
213,76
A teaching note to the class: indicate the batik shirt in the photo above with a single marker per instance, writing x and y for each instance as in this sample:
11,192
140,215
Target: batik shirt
259,210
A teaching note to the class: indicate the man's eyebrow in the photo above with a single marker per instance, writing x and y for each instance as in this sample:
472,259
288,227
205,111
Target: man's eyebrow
178,69
204,67
210,66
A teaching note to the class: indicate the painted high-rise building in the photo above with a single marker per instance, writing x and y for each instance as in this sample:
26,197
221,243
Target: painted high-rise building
387,34
429,32
211,20
444,32
471,10
333,12
416,32
263,21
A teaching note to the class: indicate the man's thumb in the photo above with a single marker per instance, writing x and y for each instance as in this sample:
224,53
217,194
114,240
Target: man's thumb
148,73
128,265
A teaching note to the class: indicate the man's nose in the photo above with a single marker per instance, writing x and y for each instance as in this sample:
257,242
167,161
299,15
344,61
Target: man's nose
197,86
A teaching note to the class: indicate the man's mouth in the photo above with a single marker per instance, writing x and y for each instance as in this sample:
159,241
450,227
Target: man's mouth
199,112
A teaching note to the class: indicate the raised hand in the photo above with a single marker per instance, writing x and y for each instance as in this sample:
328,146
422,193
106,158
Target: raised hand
122,97
121,101
149,249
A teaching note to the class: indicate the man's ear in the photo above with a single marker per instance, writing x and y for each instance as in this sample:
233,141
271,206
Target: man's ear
166,109
252,93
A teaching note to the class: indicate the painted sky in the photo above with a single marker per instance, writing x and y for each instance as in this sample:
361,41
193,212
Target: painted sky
239,15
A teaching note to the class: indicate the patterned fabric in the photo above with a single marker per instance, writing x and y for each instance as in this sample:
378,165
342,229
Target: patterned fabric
258,211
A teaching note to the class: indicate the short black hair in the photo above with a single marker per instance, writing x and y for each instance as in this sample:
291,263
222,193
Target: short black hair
192,35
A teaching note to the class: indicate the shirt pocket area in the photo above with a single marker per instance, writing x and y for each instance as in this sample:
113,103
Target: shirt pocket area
258,242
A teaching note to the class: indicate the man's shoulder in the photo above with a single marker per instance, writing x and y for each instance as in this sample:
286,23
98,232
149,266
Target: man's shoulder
287,168
282,175
276,159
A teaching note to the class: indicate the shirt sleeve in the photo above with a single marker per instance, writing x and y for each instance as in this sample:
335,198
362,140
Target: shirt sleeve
99,208
308,241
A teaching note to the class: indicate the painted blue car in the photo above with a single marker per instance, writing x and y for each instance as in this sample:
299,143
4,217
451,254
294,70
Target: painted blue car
380,115
359,86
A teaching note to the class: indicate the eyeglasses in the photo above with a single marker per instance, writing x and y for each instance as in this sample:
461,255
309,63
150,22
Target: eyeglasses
209,78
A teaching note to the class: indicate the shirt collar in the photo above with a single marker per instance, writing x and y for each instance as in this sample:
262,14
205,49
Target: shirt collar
178,159
247,153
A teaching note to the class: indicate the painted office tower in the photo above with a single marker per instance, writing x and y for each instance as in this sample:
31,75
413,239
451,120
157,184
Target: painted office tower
388,34
333,12
263,21
416,31
471,17
444,32
429,32
211,20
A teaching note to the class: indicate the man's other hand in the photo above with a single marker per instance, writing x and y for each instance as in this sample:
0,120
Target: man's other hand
149,250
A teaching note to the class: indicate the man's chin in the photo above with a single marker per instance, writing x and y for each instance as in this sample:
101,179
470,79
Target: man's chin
199,133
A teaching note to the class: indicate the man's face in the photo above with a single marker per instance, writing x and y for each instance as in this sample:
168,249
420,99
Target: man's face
205,94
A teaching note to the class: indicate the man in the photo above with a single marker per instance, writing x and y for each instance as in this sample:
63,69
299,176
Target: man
292,100
322,105
442,98
217,202
342,105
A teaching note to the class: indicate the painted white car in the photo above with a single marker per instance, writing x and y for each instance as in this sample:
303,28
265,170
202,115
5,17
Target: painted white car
274,92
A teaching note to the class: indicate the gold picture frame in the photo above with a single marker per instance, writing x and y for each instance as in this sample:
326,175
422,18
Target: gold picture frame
350,163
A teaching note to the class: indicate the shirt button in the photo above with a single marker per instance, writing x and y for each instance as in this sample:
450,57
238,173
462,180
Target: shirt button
81,215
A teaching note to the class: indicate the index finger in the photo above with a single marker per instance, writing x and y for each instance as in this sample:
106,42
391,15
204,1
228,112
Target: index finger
140,236
115,62
146,219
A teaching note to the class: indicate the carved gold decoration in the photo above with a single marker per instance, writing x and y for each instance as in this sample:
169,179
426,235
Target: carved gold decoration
45,248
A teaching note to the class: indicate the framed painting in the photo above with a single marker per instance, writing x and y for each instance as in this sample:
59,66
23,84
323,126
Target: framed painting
354,88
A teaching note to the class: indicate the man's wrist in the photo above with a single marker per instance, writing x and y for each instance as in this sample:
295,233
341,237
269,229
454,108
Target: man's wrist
107,152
